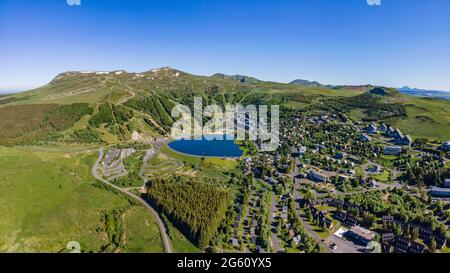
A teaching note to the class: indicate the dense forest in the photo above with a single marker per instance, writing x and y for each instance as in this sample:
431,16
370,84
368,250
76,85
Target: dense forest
195,207
65,116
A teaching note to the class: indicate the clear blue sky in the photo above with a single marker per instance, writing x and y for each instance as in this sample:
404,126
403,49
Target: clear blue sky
401,42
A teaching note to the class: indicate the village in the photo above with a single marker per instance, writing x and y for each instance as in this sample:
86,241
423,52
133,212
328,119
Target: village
343,187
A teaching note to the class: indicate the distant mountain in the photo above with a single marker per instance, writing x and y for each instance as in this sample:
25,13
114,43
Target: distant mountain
425,93
239,78
306,83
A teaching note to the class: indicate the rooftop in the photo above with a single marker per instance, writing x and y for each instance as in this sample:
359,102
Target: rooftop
364,233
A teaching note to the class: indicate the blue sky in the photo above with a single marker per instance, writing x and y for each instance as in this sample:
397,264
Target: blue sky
400,42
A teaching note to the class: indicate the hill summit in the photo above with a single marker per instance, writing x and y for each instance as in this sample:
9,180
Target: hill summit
382,91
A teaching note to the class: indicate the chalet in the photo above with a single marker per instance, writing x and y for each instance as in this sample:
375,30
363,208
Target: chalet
385,247
318,177
398,135
406,140
363,182
364,138
374,169
447,183
328,222
392,150
340,216
297,239
343,178
440,192
401,244
446,146
341,155
372,128
361,235
387,219
351,221
390,131
387,237
416,247
234,242
302,151
383,128
319,146
272,181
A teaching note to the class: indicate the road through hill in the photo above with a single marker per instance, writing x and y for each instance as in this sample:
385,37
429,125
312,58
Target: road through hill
162,228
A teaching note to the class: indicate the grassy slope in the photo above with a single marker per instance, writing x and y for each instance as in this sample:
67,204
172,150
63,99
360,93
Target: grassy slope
48,198
427,118
141,232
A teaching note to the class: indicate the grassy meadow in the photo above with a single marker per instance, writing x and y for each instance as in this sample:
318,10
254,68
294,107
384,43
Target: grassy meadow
48,198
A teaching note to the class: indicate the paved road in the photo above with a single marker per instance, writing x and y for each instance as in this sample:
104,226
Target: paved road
166,240
309,229
273,226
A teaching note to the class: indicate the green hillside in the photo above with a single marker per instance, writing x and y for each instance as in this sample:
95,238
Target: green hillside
109,106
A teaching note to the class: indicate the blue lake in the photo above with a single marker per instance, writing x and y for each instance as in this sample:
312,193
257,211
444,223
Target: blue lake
215,148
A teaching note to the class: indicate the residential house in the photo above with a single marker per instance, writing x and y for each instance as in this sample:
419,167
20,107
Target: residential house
319,177
361,235
387,237
390,131
302,151
447,183
341,155
406,140
398,135
446,146
364,138
375,169
372,128
387,219
392,150
297,239
440,192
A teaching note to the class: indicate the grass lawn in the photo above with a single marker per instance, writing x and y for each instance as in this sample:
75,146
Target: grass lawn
48,197
382,177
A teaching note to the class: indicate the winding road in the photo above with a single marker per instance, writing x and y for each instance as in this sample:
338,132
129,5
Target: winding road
162,228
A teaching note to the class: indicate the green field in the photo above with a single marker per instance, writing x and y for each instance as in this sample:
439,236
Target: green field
141,234
427,118
48,198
